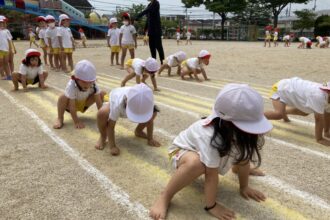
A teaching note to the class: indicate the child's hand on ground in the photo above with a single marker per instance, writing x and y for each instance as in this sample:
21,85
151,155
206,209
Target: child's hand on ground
153,143
79,125
249,193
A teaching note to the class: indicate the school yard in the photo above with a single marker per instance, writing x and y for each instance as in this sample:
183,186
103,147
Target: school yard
58,174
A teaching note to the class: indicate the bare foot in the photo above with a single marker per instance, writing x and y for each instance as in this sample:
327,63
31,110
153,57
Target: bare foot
256,172
114,151
44,87
58,124
221,212
100,144
153,143
159,209
141,134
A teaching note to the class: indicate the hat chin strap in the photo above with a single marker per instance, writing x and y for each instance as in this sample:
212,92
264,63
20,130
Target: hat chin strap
79,87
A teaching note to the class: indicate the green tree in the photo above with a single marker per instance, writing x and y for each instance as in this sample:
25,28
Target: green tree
169,27
221,7
254,13
306,20
278,5
322,26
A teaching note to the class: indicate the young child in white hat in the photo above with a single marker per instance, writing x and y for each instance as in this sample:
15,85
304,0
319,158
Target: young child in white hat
5,49
42,34
173,60
195,66
320,42
135,103
127,38
53,43
66,41
113,40
296,96
80,93
305,43
231,137
141,68
31,71
286,39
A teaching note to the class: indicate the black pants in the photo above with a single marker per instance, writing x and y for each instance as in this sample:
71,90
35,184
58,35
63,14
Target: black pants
155,43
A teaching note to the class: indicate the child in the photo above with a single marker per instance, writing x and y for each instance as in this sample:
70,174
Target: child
304,97
173,60
320,42
146,39
137,67
286,40
32,37
66,42
194,66
188,34
231,137
5,48
127,38
113,40
275,37
54,45
268,36
83,37
80,93
305,43
42,34
31,71
178,36
135,103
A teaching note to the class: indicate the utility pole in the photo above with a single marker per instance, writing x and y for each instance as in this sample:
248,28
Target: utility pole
187,18
213,20
314,5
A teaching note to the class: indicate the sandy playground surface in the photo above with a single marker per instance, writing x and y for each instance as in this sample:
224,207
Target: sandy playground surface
58,174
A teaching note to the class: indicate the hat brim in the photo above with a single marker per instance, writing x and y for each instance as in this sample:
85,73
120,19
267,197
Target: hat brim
258,127
138,118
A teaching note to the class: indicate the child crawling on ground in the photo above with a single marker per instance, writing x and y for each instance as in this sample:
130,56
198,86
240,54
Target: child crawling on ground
195,66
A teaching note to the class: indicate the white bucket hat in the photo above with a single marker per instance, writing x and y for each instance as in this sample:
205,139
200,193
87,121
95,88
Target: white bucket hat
151,65
243,106
140,103
63,17
85,71
32,52
50,18
3,18
204,54
181,55
113,20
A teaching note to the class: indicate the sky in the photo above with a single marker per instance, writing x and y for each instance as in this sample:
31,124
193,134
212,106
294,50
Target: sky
176,7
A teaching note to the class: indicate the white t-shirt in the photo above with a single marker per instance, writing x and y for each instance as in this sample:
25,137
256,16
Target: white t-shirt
128,31
188,35
197,138
52,34
172,60
320,39
4,37
118,103
286,37
275,34
66,35
304,39
72,91
30,72
138,65
113,34
178,35
303,95
193,63
42,35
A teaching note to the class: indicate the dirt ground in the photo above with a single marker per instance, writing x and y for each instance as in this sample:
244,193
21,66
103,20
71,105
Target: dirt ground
58,174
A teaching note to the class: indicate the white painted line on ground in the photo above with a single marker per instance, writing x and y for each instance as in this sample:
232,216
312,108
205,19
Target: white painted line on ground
114,192
278,184
307,197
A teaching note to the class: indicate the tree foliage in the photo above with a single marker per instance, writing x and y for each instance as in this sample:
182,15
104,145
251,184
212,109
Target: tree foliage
322,26
306,20
221,7
277,6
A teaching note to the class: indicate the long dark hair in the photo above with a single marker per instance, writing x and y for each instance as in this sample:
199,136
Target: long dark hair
226,134
26,61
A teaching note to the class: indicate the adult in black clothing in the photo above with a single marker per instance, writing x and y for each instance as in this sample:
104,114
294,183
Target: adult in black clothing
154,29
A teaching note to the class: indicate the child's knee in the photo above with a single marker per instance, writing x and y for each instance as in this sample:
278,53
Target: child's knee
103,112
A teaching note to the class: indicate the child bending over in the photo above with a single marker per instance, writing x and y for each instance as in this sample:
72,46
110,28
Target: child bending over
195,66
173,60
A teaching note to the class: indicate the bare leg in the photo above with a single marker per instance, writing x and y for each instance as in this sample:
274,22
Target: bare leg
70,61
139,129
45,55
111,58
123,55
132,53
117,58
15,78
294,111
278,113
102,124
51,62
63,62
62,104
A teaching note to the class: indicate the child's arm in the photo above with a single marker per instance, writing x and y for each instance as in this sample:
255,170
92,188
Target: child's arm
111,133
150,131
204,74
98,101
13,47
246,191
60,41
108,41
127,78
24,82
73,44
135,40
326,124
120,38
319,126
73,112
50,43
211,186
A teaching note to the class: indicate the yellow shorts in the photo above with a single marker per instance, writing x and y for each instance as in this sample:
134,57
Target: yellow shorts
3,53
268,37
184,64
275,38
115,49
81,105
67,50
42,44
129,63
32,39
106,98
274,89
128,46
55,51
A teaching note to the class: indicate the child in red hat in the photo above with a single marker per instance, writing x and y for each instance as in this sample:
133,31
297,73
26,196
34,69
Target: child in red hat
195,66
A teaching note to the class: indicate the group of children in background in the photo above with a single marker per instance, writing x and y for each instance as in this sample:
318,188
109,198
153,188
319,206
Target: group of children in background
230,137
188,36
